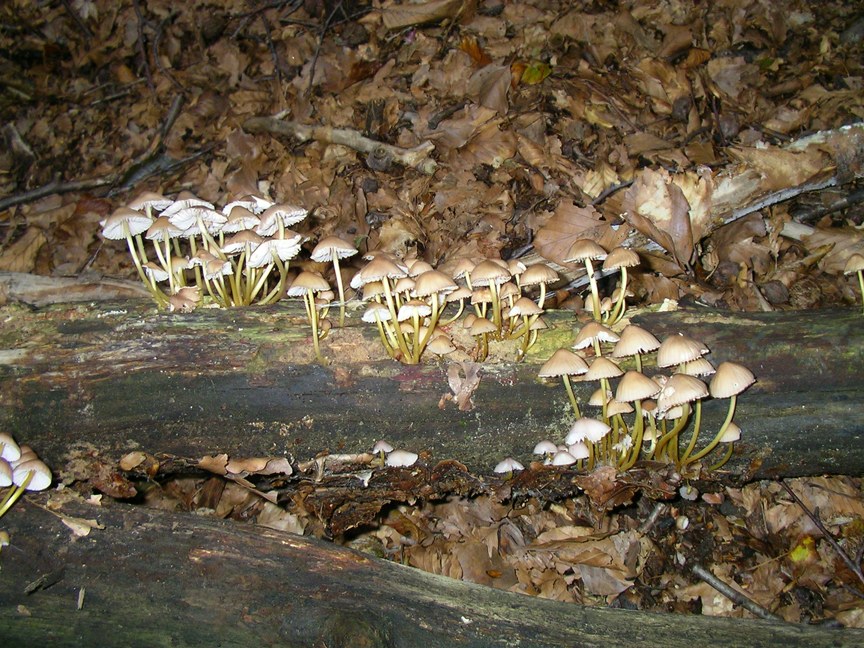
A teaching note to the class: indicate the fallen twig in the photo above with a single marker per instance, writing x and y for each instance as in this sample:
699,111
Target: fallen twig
734,595
417,157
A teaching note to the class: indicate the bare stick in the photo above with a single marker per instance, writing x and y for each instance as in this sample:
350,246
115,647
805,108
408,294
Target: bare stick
734,595
417,157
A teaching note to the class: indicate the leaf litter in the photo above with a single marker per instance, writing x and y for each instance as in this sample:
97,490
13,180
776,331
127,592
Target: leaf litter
680,129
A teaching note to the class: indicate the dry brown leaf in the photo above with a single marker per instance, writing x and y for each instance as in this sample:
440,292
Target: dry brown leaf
570,223
657,207
80,526
488,86
408,14
21,255
214,463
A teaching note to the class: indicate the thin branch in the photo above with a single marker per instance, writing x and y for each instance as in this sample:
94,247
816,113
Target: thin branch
734,595
417,157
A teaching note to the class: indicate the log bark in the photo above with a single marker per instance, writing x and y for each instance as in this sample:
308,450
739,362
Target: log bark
116,377
152,578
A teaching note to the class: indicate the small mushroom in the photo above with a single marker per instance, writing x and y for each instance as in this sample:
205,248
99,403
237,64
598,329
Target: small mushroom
855,263
401,459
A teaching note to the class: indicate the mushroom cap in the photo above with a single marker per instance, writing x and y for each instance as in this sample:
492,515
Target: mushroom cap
185,200
680,389
463,267
9,450
441,345
587,428
411,308
376,312
731,434
307,282
288,214
731,379
594,331
525,307
698,367
544,447
481,296
401,459
563,458
113,226
676,349
563,362
250,202
155,271
417,267
239,219
634,339
381,446
330,245
602,367
404,285
538,273
238,242
433,282
487,273
635,386
585,249
579,450
156,201
162,228
41,478
597,397
378,269
508,465
615,406
481,325
509,289
461,292
620,257
855,263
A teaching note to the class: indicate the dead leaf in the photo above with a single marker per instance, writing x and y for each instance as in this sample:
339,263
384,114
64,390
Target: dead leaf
21,255
80,526
408,14
570,223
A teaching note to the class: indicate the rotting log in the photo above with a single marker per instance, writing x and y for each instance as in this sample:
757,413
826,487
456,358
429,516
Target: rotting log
151,578
113,377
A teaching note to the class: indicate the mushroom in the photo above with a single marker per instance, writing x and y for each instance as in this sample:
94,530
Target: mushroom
332,249
306,284
586,251
545,448
620,258
855,263
382,448
634,341
538,274
678,349
682,390
565,363
489,273
635,387
592,334
9,449
401,459
507,467
730,380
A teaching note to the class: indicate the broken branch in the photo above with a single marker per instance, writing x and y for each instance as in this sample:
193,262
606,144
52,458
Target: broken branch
417,157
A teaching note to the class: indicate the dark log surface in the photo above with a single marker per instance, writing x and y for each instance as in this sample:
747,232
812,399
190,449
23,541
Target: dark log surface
152,578
118,377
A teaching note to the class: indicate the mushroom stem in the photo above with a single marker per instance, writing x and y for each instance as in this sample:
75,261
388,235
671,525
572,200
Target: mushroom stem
861,287
683,461
670,437
14,493
725,458
571,395
620,306
312,312
279,288
595,296
638,428
339,288
686,458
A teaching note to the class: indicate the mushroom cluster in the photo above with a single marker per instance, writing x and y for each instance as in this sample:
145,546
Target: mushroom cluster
185,248
665,408
20,470
407,300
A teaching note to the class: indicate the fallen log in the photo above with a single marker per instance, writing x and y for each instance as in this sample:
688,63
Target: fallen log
152,578
117,377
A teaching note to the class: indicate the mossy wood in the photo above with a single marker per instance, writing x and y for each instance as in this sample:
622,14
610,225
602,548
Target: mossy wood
114,377
152,578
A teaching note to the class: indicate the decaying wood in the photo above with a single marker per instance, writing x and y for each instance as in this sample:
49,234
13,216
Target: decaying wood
153,578
116,377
